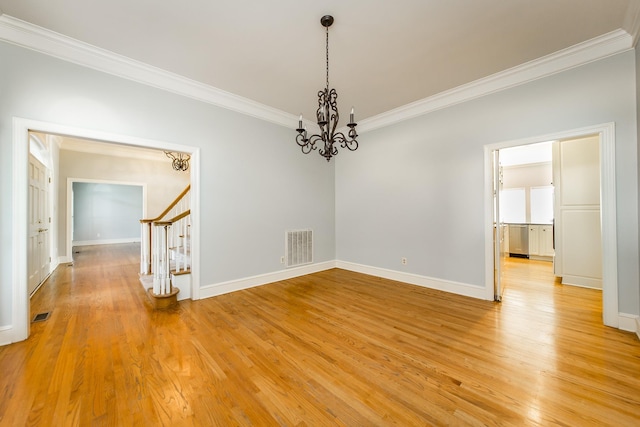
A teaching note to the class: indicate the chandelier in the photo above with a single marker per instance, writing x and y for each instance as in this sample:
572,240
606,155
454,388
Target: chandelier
179,161
327,117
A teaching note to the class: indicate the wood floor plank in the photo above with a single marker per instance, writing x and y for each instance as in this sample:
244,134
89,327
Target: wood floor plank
331,348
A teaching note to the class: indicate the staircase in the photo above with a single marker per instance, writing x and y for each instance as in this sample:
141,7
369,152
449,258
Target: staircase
165,252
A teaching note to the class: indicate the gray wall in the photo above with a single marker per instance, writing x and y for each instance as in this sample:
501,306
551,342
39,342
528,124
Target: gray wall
106,211
255,182
416,189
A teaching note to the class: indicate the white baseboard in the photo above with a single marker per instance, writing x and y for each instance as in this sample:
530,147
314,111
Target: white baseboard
415,279
583,282
262,279
629,323
6,334
104,241
64,260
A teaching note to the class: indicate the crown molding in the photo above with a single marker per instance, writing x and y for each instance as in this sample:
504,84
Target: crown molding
21,33
632,21
24,34
591,50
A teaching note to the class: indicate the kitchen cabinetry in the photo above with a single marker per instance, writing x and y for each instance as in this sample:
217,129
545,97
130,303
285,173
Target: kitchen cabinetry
541,241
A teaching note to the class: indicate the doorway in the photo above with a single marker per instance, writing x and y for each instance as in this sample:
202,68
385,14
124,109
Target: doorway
103,212
20,161
606,134
525,217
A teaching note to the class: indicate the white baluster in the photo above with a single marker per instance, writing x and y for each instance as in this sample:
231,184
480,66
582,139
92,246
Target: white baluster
167,272
156,261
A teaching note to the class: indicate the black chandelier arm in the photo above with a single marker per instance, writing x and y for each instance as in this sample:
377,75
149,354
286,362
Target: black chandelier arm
350,144
313,139
307,144
301,138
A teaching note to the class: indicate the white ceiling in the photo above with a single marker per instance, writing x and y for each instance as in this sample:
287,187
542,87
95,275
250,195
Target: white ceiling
383,54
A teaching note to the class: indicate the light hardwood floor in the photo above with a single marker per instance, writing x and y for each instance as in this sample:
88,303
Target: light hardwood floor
332,348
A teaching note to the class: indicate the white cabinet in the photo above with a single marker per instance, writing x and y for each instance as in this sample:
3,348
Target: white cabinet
534,237
540,241
546,240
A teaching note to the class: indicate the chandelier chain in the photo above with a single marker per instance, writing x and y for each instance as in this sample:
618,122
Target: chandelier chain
327,28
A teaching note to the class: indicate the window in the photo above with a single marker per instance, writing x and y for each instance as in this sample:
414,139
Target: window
542,205
513,206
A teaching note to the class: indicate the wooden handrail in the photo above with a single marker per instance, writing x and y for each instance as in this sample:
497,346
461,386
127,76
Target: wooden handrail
174,219
175,202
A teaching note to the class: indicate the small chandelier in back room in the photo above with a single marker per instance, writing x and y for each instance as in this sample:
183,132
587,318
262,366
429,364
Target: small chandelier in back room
179,161
327,117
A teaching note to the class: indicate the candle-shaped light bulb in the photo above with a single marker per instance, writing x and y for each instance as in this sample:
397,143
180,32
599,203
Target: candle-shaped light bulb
351,116
300,122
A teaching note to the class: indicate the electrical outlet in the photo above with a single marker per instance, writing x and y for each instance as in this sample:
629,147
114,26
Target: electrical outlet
403,261
281,260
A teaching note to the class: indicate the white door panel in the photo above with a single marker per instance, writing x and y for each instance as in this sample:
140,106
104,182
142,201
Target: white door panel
38,261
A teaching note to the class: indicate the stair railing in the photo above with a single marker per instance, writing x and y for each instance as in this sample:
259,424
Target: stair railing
179,240
159,235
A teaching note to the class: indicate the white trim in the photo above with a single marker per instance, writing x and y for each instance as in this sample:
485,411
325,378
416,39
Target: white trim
6,335
40,39
105,241
19,291
609,44
638,326
489,248
21,128
64,260
21,33
458,288
263,279
607,205
629,322
582,282
195,223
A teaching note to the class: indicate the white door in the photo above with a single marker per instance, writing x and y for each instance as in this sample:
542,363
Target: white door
39,259
499,230
577,211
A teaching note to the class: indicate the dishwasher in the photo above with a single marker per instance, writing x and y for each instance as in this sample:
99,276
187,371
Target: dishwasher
519,240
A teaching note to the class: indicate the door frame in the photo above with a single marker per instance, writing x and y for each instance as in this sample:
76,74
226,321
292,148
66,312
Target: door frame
70,205
20,160
610,315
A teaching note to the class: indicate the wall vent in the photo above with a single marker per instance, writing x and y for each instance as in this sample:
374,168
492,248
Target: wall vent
298,247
